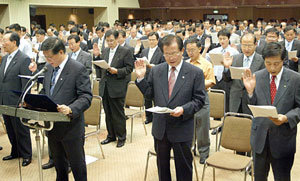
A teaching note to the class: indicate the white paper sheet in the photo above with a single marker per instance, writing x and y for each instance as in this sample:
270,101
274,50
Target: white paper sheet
237,72
101,63
160,110
292,54
90,159
145,43
145,60
263,111
216,58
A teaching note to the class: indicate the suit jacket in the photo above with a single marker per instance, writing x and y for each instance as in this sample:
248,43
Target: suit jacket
116,84
73,88
130,48
296,46
237,90
10,80
188,92
282,139
157,57
95,40
84,47
85,59
262,44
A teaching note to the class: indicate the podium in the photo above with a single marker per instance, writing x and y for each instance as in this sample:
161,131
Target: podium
37,116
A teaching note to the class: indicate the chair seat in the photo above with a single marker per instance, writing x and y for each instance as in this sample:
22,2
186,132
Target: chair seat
228,161
215,124
131,112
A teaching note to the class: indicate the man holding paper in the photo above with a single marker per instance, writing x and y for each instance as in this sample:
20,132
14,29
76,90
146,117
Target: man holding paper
247,59
154,57
179,86
292,46
113,86
273,140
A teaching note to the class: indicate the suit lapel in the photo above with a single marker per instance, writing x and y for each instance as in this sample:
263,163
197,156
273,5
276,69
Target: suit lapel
165,82
47,80
12,63
116,57
266,86
179,81
153,58
255,64
3,64
147,53
282,87
62,77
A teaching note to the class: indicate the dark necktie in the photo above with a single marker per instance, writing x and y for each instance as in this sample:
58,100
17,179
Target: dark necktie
171,81
54,74
273,89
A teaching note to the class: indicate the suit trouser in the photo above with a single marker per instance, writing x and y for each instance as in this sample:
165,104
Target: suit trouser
281,167
148,104
114,116
182,155
202,129
65,152
226,87
19,137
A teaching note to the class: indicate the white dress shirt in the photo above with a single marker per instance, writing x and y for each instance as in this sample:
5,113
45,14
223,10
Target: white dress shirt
177,70
288,45
61,67
151,53
26,47
277,79
112,54
9,59
75,54
248,64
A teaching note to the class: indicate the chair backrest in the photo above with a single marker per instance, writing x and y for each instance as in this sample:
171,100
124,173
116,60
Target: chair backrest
95,90
134,96
217,103
133,76
92,115
236,132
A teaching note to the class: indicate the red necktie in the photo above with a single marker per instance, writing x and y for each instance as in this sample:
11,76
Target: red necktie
171,81
273,89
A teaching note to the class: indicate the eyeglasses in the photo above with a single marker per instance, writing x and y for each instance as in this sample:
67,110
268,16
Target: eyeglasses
168,55
247,46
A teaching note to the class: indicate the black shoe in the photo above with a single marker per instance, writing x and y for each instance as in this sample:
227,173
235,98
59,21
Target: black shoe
1,148
9,157
203,159
107,140
148,121
48,165
26,161
120,143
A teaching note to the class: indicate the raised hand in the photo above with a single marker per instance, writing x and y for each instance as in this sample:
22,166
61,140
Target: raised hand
140,68
227,60
249,81
32,66
96,50
207,43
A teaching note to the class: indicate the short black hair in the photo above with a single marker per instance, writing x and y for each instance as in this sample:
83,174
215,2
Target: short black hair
272,30
100,28
14,37
224,32
41,32
123,33
168,40
248,34
74,30
54,44
193,40
52,24
288,28
112,32
15,26
105,24
274,49
70,23
62,25
75,37
199,25
23,29
153,33
1,31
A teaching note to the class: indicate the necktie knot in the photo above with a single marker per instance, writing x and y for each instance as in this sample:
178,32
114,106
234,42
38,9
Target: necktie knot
273,77
56,69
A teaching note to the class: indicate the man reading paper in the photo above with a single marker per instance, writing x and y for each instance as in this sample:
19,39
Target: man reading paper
273,140
180,86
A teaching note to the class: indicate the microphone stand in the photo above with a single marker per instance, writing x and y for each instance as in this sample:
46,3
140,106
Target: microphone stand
38,128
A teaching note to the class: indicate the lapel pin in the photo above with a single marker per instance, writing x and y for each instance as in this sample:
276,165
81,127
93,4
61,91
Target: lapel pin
183,77
284,86
60,78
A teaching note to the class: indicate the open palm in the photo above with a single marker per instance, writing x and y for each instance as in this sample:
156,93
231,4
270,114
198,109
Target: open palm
249,81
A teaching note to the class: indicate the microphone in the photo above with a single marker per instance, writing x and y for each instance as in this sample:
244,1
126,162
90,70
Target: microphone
44,69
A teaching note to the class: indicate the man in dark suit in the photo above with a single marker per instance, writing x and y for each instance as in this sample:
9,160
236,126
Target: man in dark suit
291,44
99,41
121,41
78,54
273,140
113,86
67,83
247,59
179,86
14,64
154,57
